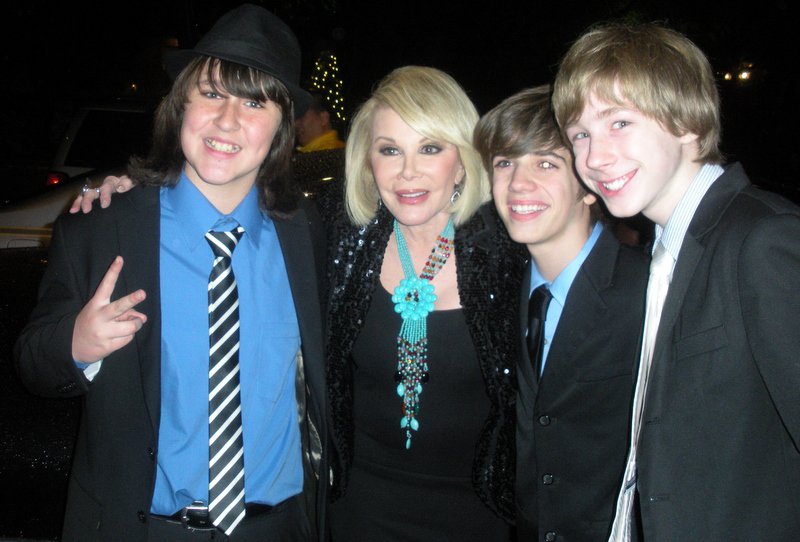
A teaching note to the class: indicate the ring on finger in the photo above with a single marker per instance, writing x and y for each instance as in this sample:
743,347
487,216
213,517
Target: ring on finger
86,188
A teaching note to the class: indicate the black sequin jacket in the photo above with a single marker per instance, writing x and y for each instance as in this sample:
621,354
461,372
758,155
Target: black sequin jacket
489,273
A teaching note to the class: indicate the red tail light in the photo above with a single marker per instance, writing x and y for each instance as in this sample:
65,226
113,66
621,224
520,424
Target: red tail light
55,177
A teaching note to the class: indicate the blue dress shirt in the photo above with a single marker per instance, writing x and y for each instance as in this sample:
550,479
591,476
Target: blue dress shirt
270,339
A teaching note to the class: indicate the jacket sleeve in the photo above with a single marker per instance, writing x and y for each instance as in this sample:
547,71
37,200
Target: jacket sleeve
769,279
43,351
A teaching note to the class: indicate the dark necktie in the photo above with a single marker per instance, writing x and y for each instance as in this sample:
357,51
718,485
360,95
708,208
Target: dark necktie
537,314
226,452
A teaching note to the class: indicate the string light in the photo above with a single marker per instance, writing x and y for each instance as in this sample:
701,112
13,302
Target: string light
325,80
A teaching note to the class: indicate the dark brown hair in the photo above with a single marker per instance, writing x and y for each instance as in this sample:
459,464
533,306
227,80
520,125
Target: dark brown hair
524,123
521,124
278,192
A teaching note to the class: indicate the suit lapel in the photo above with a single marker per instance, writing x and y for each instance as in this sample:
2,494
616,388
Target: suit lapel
298,256
691,252
585,306
705,218
139,234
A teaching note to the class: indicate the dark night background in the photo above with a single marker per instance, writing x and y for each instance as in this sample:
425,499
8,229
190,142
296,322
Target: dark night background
56,55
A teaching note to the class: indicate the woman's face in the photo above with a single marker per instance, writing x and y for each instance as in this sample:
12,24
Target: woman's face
415,175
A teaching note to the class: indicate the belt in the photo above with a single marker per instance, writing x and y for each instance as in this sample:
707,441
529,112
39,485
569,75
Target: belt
195,517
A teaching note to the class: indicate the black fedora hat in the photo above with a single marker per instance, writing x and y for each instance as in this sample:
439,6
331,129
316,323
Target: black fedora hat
252,36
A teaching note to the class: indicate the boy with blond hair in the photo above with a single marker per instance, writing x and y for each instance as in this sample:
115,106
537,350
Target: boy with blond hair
715,435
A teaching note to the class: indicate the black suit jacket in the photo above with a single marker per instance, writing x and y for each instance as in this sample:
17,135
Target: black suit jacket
573,424
719,452
113,471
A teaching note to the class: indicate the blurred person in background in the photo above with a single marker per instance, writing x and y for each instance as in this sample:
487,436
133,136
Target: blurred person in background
315,128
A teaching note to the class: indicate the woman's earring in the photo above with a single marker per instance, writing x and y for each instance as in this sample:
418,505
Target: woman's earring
456,194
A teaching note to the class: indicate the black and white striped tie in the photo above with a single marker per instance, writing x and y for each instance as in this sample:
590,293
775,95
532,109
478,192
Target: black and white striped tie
226,452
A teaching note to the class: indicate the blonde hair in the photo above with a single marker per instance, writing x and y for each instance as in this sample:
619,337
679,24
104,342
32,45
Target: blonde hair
433,104
657,70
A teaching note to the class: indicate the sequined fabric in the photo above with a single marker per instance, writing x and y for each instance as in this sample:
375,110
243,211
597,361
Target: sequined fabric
489,271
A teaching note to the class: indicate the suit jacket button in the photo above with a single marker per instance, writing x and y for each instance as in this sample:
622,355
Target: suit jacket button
66,388
550,536
151,453
544,420
142,516
547,479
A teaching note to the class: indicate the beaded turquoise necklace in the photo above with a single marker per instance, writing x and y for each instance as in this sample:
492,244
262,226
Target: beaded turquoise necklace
413,300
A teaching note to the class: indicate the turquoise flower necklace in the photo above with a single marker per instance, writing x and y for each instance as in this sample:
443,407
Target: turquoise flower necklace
413,300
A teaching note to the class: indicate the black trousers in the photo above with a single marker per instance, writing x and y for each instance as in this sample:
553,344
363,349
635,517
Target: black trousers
287,521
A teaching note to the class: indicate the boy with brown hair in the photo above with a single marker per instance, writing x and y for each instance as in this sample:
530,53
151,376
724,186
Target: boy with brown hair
575,382
191,385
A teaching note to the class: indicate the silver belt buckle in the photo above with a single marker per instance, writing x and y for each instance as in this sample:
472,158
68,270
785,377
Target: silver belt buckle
195,517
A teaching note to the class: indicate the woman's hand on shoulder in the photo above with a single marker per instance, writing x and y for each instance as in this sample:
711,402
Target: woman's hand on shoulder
111,185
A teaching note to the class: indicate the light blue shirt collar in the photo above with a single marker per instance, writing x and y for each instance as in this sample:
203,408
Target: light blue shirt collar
671,236
560,286
198,215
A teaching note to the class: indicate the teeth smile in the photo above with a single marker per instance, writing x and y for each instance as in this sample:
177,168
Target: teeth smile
614,185
527,209
222,147
618,183
412,194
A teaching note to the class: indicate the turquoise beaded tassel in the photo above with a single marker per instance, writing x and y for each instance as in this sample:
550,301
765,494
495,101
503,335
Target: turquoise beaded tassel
414,298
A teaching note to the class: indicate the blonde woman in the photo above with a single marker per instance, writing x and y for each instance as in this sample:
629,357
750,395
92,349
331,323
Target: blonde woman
421,333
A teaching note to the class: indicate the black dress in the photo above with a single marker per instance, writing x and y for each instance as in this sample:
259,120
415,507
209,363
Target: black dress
423,493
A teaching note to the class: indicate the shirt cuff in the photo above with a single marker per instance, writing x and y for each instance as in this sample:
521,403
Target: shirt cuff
90,370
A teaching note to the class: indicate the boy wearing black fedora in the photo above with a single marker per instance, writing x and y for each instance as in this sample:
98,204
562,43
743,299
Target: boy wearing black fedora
188,315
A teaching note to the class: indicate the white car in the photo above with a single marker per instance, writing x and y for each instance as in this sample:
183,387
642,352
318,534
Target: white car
30,223
97,143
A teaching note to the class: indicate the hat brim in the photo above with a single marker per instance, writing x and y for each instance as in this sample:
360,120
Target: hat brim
175,60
